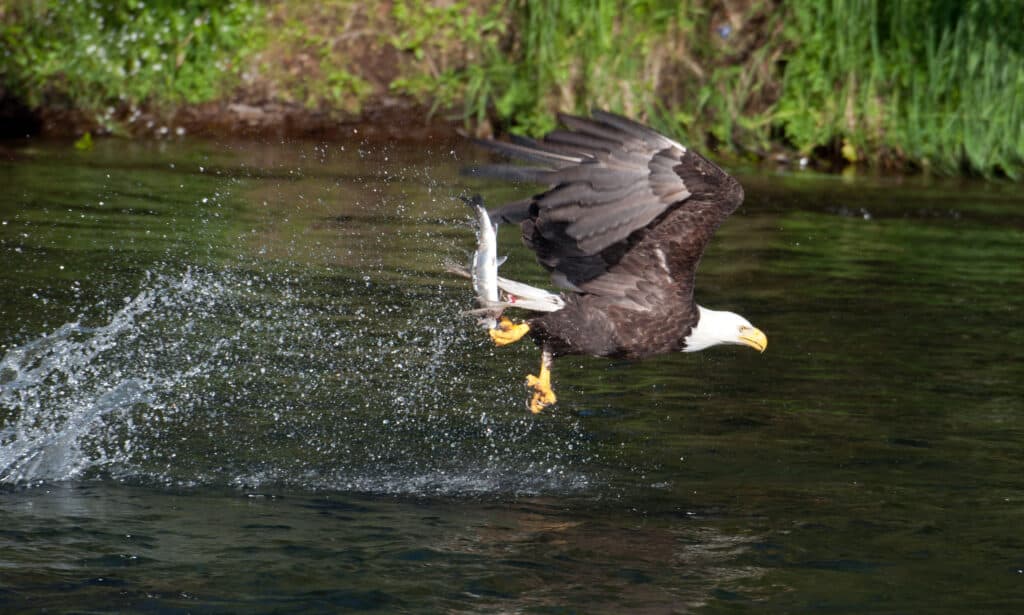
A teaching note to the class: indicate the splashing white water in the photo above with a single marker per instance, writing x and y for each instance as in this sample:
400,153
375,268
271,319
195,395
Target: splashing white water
60,388
249,379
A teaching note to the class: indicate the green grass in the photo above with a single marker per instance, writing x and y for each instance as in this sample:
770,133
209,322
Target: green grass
453,51
930,84
305,58
575,55
519,61
936,82
92,54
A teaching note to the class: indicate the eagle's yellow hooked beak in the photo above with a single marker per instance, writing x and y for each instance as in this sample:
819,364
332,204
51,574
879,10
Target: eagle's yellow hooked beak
754,337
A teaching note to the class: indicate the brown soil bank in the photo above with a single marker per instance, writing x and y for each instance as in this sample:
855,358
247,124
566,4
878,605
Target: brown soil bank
257,119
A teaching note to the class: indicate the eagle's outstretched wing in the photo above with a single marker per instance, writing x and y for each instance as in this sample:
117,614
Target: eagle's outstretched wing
613,183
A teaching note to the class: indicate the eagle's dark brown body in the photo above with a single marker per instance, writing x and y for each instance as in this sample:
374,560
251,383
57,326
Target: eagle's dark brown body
622,227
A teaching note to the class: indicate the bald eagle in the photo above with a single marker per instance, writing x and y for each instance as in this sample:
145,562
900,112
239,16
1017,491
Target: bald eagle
622,226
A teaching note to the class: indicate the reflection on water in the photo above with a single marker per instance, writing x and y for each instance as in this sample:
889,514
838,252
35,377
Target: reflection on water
167,549
221,359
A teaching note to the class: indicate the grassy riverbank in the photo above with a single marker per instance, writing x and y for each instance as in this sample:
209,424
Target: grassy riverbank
913,84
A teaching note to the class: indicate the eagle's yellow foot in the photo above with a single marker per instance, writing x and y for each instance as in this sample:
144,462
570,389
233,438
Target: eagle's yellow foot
507,332
543,396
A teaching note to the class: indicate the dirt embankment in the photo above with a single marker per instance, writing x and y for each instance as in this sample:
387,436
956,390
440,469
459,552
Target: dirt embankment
325,71
237,117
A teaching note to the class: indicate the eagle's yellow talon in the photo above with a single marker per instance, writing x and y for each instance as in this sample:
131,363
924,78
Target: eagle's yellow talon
507,333
543,396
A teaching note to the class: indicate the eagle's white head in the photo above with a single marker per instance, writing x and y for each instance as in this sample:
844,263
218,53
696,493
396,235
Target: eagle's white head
716,328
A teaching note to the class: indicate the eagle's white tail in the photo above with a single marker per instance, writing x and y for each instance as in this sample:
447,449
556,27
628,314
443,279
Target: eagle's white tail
524,296
514,294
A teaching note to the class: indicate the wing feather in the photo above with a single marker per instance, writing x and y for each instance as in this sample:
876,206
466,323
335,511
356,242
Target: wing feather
531,153
581,141
628,211
631,212
590,127
588,195
650,136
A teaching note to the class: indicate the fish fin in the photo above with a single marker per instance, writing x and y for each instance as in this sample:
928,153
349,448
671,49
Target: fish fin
456,269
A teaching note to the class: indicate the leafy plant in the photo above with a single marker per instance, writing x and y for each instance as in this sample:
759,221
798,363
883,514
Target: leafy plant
309,61
455,52
937,82
93,53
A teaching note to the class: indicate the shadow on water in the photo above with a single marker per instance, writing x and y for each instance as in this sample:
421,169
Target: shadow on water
236,377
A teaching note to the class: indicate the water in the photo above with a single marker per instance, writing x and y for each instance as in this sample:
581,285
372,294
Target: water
235,377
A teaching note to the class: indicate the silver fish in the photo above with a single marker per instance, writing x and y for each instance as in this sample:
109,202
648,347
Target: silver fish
484,268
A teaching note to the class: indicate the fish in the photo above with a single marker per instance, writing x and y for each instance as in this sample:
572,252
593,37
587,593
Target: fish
484,266
494,293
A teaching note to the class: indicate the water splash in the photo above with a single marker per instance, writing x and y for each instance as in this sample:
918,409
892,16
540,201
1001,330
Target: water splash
249,378
61,387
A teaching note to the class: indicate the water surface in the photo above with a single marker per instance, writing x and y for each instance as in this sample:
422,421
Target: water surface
235,377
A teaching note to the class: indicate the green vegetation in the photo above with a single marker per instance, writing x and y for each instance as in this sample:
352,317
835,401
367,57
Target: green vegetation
932,84
520,61
454,50
89,54
306,62
937,82
573,56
